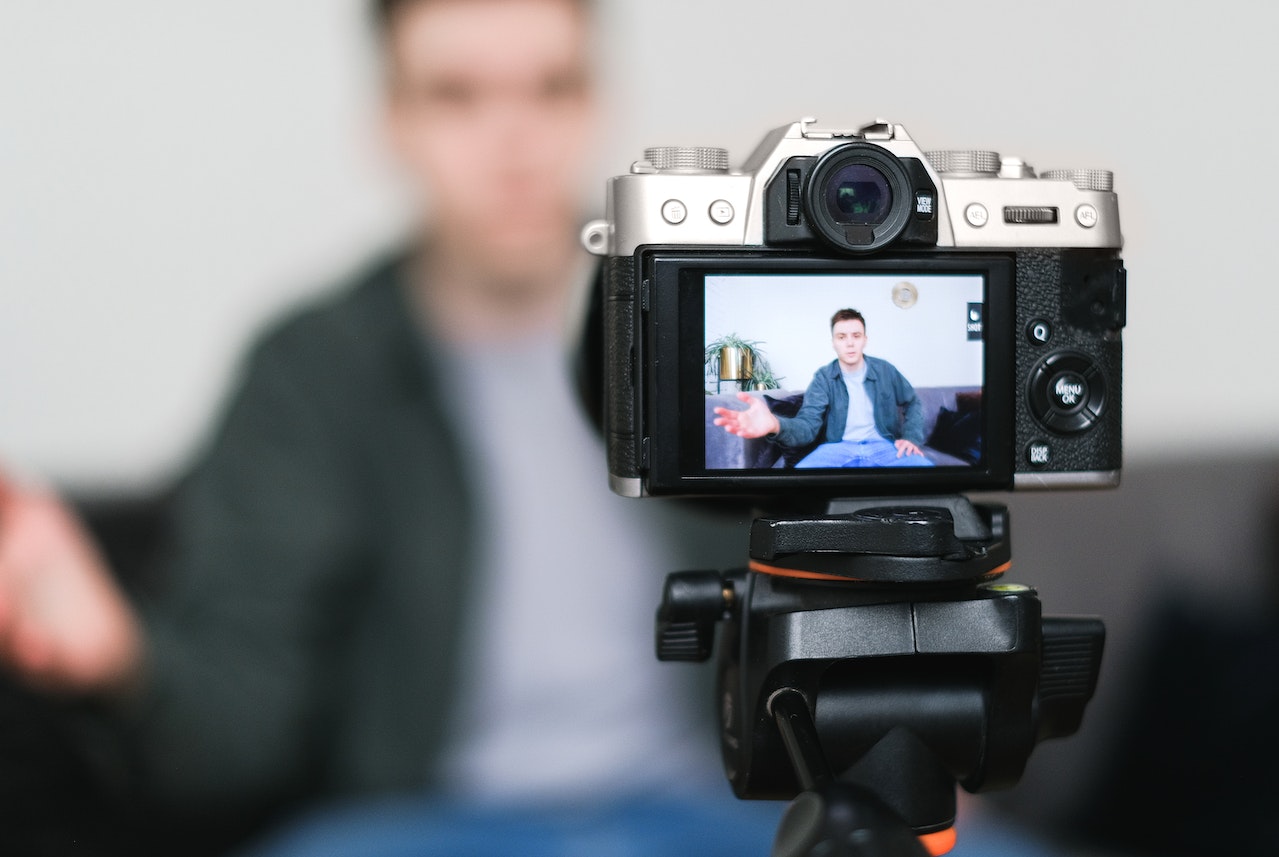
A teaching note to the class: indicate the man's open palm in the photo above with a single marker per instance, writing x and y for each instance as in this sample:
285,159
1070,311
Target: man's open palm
756,421
64,623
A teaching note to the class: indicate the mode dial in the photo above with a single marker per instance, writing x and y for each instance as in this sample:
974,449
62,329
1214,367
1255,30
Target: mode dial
688,158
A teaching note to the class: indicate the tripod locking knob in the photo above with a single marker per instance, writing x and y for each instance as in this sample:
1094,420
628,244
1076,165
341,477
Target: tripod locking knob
692,602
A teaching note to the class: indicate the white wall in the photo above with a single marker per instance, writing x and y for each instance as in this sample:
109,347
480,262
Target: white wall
172,173
790,318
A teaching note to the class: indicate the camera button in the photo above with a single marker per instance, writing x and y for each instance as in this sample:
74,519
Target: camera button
925,204
721,211
1086,216
1039,453
1067,392
674,212
1039,331
976,215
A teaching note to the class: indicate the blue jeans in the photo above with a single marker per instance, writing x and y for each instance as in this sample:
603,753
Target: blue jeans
861,453
420,827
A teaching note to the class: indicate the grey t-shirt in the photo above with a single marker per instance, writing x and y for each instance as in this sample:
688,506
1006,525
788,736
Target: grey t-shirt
564,699
861,413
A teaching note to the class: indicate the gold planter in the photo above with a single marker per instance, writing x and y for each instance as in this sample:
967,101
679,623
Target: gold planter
735,363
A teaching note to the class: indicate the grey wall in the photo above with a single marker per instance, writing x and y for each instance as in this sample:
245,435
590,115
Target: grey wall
172,174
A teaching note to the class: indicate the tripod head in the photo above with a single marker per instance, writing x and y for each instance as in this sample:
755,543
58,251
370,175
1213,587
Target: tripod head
870,659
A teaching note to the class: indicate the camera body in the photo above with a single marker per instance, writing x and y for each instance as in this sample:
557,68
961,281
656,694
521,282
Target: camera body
996,295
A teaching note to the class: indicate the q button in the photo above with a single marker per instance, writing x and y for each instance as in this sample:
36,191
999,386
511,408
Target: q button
1039,331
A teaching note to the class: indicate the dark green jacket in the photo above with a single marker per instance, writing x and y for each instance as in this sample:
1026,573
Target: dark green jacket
307,645
307,640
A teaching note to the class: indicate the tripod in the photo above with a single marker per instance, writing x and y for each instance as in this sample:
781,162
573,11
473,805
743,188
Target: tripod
870,660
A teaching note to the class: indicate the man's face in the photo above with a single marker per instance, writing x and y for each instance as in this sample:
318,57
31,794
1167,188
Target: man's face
490,111
849,339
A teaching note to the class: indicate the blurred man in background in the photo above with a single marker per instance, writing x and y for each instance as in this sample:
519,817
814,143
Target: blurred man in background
398,569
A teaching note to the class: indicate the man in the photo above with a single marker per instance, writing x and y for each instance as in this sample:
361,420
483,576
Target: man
398,568
869,410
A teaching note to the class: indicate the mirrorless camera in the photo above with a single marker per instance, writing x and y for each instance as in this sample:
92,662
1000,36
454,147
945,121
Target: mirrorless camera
995,296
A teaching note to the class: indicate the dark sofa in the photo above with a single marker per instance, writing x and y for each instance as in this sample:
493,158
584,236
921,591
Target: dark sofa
1176,755
69,784
952,418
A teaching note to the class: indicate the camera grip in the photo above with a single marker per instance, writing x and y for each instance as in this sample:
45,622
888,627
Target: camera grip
619,366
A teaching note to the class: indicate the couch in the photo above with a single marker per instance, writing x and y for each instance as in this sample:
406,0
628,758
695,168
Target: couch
952,421
1177,750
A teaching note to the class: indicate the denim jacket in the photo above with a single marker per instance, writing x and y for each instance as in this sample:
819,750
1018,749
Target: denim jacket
898,413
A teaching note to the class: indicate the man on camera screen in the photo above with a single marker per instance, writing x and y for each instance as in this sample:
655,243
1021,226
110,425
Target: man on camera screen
871,414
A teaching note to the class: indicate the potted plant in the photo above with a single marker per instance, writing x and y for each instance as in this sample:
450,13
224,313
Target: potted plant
732,358
763,378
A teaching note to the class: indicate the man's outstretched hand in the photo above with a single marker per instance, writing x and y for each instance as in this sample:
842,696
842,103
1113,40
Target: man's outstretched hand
64,623
756,421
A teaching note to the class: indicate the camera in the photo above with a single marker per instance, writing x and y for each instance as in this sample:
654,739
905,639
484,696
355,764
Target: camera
989,301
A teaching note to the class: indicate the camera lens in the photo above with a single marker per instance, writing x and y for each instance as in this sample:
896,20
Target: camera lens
858,197
858,193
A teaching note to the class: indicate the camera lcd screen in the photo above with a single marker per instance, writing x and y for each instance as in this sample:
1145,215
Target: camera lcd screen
844,370
849,375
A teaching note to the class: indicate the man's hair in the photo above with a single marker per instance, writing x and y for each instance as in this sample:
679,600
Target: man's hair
847,315
386,11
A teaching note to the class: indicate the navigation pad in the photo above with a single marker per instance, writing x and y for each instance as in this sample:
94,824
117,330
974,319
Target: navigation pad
1067,392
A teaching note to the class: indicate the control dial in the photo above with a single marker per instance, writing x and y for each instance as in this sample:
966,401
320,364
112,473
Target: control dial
1099,180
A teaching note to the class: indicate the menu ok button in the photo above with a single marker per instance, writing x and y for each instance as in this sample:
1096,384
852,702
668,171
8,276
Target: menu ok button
1067,392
